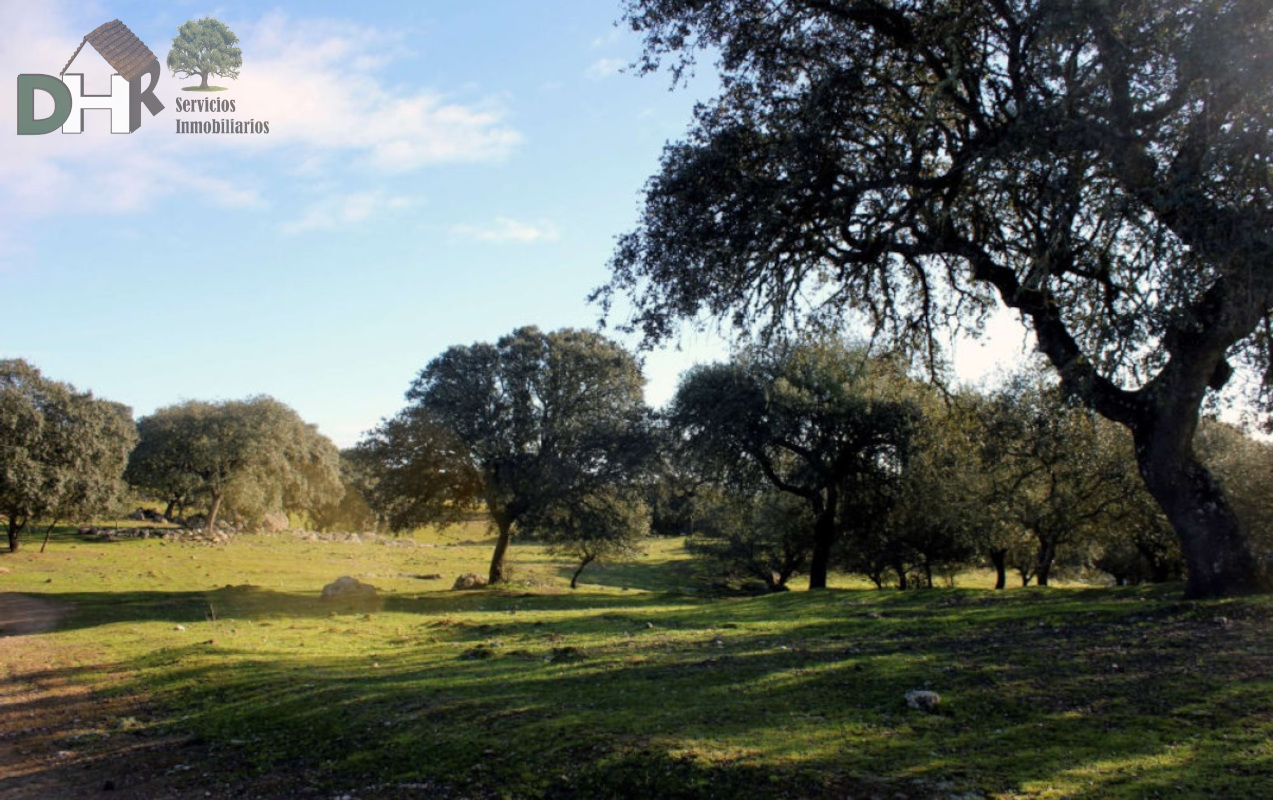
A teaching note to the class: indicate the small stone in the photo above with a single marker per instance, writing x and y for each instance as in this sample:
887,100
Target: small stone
923,700
179,628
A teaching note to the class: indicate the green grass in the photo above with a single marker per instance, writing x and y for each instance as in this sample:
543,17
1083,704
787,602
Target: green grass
201,89
635,685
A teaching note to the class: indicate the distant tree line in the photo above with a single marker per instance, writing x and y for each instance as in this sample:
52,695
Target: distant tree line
787,461
66,456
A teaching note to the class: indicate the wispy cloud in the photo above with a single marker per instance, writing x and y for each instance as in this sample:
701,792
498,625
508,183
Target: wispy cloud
318,84
604,68
337,212
504,229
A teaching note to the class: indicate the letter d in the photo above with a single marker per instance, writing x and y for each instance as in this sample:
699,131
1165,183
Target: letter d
28,85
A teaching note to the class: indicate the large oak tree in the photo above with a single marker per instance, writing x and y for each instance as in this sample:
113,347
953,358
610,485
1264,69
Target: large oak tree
537,427
1101,168
819,421
255,456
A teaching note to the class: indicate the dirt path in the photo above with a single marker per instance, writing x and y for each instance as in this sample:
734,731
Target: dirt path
61,735
22,615
58,736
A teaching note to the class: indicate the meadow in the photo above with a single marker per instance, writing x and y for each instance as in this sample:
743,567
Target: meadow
179,669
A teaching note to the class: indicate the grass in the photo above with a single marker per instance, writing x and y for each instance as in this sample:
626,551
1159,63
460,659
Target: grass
201,89
637,686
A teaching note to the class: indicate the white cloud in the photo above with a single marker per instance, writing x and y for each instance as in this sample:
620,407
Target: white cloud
344,211
603,68
504,229
317,85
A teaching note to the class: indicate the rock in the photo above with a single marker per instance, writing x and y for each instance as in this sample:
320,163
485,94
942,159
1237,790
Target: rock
179,628
275,522
922,700
469,580
347,587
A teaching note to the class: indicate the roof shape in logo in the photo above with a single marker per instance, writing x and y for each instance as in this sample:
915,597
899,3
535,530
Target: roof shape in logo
128,55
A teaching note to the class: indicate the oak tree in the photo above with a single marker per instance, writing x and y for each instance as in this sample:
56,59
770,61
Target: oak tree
205,47
1103,169
518,427
62,452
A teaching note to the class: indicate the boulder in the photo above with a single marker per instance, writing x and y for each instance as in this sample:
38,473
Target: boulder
345,587
275,522
469,580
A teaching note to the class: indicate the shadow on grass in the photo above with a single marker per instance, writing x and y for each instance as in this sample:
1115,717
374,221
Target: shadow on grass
250,602
647,576
1109,693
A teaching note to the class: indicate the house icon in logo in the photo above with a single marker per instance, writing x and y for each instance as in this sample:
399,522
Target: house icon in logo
121,48
126,54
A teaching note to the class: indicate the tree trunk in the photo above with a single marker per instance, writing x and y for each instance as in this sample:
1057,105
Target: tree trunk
212,512
497,573
901,578
574,579
1000,559
823,540
1217,555
172,504
1047,554
203,80
14,530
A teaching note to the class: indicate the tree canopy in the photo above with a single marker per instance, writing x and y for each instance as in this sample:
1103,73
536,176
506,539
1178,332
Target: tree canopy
253,456
524,427
62,452
1101,168
205,47
817,421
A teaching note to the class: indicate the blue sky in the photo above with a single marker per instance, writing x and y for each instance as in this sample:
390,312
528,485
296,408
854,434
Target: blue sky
435,173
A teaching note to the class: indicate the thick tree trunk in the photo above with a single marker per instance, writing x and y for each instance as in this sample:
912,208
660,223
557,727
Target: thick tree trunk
1217,554
1047,555
498,573
1000,559
14,531
172,504
203,81
823,540
902,583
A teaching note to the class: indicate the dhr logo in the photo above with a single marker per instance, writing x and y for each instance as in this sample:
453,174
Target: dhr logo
131,60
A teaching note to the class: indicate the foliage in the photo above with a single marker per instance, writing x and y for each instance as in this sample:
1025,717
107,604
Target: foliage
816,421
1244,466
251,456
1094,166
62,452
600,526
518,426
350,511
205,47
1058,475
764,536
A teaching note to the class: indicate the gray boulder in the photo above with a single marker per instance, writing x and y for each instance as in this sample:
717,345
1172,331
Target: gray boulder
347,588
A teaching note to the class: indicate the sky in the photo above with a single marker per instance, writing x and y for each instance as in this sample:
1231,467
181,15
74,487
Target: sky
434,174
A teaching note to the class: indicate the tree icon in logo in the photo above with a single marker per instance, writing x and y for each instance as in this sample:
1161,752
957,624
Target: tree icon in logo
205,47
